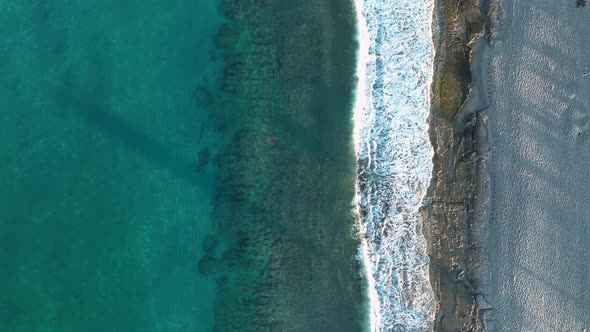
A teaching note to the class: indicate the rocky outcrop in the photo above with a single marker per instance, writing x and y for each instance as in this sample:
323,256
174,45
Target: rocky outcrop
454,211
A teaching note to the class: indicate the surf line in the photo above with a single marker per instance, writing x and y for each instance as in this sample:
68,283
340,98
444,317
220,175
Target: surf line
394,156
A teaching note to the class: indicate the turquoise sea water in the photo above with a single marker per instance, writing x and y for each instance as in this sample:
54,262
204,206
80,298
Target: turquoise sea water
177,166
103,212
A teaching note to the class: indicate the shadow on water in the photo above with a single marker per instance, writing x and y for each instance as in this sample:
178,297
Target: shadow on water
124,131
87,101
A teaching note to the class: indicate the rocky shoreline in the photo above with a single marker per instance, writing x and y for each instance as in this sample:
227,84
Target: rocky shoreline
455,207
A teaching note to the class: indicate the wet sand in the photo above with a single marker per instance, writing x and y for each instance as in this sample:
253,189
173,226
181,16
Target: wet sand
540,148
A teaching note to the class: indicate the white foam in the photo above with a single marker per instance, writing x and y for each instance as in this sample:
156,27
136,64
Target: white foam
395,158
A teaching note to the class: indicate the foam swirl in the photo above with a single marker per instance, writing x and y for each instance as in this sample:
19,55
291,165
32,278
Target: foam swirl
395,158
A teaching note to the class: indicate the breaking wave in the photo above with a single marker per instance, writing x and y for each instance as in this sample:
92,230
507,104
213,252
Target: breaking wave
394,157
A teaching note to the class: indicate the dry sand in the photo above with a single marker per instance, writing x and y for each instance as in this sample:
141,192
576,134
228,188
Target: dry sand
539,135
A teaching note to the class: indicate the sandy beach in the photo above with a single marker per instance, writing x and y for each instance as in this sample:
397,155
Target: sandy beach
507,209
540,177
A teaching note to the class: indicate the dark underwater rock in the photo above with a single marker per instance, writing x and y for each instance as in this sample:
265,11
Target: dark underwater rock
227,36
203,97
203,159
210,243
209,265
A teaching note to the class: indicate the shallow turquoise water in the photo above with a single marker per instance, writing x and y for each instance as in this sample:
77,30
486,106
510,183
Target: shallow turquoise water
103,210
178,166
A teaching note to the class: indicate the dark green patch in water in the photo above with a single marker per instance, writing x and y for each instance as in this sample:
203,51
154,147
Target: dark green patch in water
287,176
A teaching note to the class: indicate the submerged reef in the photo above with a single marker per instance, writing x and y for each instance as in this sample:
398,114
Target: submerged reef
284,248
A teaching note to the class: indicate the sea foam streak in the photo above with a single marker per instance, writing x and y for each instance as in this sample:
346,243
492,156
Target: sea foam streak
395,158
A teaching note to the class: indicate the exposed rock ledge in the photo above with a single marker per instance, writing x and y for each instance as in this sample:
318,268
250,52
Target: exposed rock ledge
455,208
